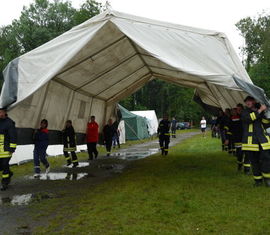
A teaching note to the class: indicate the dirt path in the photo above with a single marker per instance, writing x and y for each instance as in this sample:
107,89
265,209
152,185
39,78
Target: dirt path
60,182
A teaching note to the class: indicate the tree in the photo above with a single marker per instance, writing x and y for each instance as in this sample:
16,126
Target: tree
256,51
40,22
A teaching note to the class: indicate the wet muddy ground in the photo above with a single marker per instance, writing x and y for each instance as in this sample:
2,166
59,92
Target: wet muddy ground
23,192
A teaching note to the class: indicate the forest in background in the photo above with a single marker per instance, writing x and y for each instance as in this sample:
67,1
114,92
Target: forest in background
44,20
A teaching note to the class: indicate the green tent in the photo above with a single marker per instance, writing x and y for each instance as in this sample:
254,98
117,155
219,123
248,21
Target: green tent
135,126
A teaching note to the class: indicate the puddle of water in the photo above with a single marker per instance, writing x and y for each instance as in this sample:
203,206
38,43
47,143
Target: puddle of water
116,168
133,154
25,199
60,176
81,164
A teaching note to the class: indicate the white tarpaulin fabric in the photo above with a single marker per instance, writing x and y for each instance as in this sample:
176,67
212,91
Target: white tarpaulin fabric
24,153
122,131
86,70
152,120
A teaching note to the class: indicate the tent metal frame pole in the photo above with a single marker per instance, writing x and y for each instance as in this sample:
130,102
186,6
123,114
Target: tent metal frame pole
130,89
123,79
94,54
60,81
137,51
107,71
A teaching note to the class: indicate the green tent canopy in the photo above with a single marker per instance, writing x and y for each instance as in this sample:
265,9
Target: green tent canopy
135,126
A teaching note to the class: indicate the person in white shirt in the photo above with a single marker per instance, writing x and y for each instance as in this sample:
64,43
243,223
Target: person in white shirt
203,126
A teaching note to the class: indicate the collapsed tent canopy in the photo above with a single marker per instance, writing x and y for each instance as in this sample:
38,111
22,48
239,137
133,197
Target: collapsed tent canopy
86,70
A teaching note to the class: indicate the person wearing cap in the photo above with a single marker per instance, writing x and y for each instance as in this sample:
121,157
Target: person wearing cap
164,135
8,143
69,141
255,141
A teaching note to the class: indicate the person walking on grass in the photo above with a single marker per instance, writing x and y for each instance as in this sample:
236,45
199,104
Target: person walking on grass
173,127
92,138
108,132
164,135
203,126
69,141
8,140
41,141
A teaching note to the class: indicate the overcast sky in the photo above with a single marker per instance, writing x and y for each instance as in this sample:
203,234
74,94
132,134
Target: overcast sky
220,15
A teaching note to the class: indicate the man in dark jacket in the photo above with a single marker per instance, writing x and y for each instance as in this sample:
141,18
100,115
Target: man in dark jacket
164,135
69,141
8,140
41,140
108,132
255,141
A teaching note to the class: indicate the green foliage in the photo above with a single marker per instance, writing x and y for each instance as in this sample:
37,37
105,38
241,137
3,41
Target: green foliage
195,190
167,98
256,50
40,22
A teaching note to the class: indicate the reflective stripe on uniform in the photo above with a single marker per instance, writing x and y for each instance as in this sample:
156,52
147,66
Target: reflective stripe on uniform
5,154
167,134
250,128
68,158
166,149
75,160
226,128
266,175
4,176
11,145
252,116
265,121
250,147
265,146
257,177
247,165
249,139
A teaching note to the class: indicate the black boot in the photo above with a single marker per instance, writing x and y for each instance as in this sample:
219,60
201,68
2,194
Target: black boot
75,164
4,187
162,152
68,162
239,167
247,170
267,182
258,183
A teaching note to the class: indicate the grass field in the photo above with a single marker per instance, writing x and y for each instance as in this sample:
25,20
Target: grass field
194,190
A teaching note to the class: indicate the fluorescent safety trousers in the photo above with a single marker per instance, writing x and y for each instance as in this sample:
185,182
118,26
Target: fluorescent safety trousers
8,140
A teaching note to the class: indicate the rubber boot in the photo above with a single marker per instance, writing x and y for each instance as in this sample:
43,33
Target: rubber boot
267,182
75,164
68,162
247,170
258,183
239,167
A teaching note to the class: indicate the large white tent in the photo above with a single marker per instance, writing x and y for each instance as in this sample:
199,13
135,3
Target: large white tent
151,118
86,70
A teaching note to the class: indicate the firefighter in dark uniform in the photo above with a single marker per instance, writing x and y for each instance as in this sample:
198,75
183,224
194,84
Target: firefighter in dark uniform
69,141
236,128
228,144
8,140
164,135
220,124
256,142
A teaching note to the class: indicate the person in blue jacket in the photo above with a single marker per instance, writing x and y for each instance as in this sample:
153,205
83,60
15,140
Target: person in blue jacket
41,141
